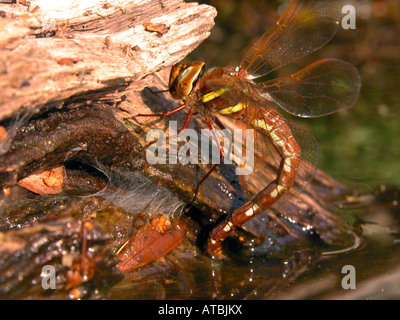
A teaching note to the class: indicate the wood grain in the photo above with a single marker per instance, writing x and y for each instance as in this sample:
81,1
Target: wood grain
106,43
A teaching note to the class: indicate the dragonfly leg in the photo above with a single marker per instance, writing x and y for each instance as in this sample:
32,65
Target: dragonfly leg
184,126
166,113
221,153
283,140
169,113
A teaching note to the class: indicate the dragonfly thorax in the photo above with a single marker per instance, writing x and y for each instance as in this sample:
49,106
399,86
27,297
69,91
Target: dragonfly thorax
224,91
219,90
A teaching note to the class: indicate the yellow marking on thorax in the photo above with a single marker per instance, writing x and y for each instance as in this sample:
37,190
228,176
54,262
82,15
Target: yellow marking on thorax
213,94
233,109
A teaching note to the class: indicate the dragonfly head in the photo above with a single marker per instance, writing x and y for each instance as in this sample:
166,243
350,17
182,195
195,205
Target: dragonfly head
183,78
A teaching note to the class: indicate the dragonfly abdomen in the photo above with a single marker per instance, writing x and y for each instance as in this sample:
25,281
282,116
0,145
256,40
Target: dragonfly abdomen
281,137
278,131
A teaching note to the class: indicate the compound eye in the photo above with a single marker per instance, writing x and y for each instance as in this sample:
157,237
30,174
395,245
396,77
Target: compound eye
188,78
175,70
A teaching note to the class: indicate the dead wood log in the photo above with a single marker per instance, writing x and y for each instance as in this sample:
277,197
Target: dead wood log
52,51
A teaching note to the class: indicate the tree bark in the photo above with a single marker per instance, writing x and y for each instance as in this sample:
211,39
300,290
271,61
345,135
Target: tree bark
58,51
74,67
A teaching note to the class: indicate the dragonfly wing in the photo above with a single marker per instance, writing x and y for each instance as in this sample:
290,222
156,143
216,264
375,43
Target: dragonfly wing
305,26
323,87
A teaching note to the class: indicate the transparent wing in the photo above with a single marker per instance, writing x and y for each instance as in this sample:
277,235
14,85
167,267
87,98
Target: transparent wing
323,87
305,26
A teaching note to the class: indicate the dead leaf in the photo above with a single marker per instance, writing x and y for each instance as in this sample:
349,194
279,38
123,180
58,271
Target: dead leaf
160,28
3,135
67,61
45,182
150,243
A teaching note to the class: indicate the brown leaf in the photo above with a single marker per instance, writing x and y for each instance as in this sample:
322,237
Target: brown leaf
3,135
160,28
45,182
151,242
67,61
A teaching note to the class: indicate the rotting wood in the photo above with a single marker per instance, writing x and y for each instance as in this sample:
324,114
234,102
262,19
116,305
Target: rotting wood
106,43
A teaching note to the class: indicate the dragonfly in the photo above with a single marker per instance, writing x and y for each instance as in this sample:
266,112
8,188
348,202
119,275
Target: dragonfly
243,94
